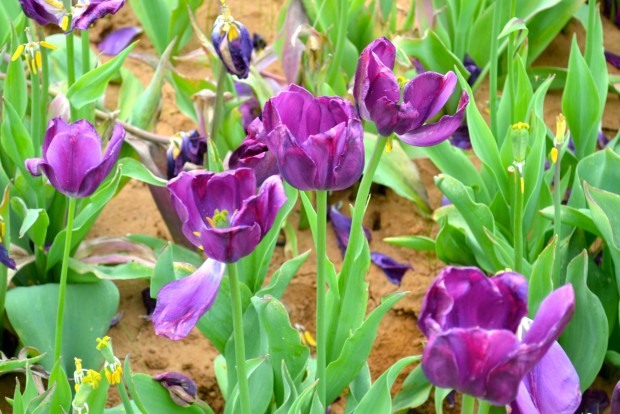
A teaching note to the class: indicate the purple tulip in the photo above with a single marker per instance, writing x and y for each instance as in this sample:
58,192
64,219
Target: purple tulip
593,401
461,139
185,147
115,42
182,302
378,96
551,387
84,12
5,259
318,142
394,271
254,154
72,158
615,400
250,109
471,321
182,388
221,212
473,69
233,43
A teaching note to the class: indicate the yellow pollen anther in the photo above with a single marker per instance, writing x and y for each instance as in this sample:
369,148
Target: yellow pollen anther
522,185
18,52
389,144
554,155
103,342
219,216
114,376
520,125
560,129
78,364
196,233
233,34
48,45
38,59
402,81
308,339
54,3
64,23
92,378
31,65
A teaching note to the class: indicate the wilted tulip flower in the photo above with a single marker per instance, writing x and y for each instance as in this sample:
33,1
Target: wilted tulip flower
182,388
222,213
83,12
552,386
318,142
471,321
72,158
185,147
378,95
232,42
254,154
5,259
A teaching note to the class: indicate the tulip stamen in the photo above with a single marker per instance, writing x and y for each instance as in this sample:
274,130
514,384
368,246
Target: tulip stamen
219,219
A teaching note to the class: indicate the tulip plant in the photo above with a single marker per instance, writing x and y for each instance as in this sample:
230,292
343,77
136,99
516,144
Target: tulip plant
522,319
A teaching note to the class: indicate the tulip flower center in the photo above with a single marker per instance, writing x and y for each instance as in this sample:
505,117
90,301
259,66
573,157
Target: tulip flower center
402,81
219,219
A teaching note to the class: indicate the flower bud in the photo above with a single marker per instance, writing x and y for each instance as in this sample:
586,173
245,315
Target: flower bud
182,388
520,136
232,42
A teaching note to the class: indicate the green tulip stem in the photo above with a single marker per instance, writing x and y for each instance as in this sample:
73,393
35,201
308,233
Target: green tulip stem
557,214
218,111
45,83
497,17
124,397
362,193
467,404
88,111
511,65
237,312
341,36
321,315
70,65
483,407
518,221
35,106
63,280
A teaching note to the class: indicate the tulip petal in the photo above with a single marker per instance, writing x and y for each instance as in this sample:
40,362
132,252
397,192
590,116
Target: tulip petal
41,12
615,400
95,176
5,259
182,302
342,227
230,244
432,134
429,92
115,42
224,191
551,387
96,9
264,207
186,205
394,271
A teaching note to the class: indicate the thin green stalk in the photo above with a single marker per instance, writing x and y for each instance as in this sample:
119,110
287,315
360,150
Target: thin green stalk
237,311
557,219
45,81
364,190
218,111
483,407
343,16
467,404
321,314
87,112
518,221
71,67
510,62
124,398
35,88
63,280
497,16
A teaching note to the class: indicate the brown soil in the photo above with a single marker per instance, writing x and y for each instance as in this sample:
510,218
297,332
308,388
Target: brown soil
133,211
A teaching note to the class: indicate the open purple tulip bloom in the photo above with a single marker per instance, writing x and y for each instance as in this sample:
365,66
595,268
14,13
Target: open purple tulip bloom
318,142
221,212
84,12
182,302
254,154
378,96
72,158
551,387
471,321
233,44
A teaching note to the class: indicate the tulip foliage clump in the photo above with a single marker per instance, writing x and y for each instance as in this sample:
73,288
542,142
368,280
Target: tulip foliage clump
521,318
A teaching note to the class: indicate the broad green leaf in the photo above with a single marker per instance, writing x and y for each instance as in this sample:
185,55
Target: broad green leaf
580,218
131,90
431,51
415,391
154,16
356,349
581,103
281,278
541,278
545,26
260,383
586,352
399,173
378,399
135,169
15,90
420,243
61,399
600,170
15,138
32,312
91,86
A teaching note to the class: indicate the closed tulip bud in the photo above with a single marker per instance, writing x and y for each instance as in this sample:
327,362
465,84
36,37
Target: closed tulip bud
232,42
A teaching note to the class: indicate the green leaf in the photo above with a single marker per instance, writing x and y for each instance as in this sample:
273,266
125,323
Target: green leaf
281,278
135,169
541,278
32,312
586,352
61,399
154,16
399,173
15,138
378,399
545,26
91,86
420,243
431,51
415,391
128,379
581,103
15,90
356,349
131,90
